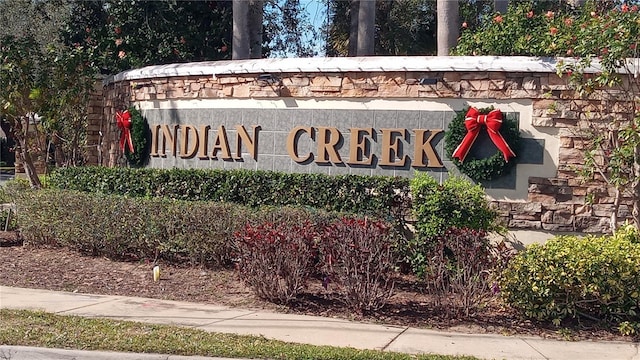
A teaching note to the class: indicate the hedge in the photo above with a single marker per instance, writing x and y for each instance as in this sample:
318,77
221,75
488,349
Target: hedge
121,227
365,195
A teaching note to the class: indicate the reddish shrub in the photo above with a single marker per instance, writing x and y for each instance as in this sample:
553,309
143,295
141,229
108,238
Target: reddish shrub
357,255
460,269
276,260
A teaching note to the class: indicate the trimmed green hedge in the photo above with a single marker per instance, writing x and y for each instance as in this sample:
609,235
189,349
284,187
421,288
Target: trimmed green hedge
140,228
370,195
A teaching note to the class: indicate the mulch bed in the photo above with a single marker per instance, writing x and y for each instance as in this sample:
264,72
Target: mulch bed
65,270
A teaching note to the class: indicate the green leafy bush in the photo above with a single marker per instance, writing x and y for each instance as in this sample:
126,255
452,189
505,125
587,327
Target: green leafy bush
144,228
373,195
357,255
598,28
438,207
574,277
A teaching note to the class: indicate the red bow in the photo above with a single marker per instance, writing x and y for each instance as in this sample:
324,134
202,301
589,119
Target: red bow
473,122
123,119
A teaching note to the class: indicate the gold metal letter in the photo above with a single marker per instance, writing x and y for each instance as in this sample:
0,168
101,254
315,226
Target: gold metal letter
292,142
154,140
187,151
328,139
357,148
390,145
423,147
243,136
170,137
220,143
204,142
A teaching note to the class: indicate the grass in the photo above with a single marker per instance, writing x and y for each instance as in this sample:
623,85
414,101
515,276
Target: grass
41,329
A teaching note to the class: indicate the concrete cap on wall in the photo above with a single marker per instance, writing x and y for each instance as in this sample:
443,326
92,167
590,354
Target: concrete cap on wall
358,64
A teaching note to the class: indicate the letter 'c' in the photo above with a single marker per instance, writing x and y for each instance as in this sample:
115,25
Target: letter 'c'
292,142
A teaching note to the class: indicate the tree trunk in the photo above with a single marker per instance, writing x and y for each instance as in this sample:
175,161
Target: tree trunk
501,6
613,219
635,187
20,135
59,155
256,9
447,25
29,168
353,27
366,27
240,42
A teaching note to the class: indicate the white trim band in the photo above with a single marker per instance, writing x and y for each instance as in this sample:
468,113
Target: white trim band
354,64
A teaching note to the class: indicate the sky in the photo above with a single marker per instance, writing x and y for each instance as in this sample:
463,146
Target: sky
317,13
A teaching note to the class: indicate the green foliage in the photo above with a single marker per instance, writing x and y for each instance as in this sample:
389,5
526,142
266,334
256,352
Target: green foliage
289,30
573,277
124,34
543,28
118,227
66,92
356,194
128,34
436,208
139,137
403,27
40,20
488,168
55,84
13,188
21,72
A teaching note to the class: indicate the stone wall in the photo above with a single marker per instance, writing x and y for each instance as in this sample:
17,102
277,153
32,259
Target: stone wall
556,203
95,126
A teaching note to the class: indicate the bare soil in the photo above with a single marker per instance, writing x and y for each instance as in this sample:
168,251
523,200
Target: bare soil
65,270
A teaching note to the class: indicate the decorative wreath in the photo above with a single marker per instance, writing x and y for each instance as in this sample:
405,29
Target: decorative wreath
134,133
463,131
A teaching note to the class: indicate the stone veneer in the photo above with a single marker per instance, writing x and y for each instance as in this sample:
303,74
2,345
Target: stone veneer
554,203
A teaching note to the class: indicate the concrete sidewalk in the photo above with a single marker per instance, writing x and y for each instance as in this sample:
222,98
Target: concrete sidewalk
311,329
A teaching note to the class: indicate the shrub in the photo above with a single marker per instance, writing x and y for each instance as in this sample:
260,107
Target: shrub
14,187
131,228
373,195
578,277
276,260
460,269
7,217
140,228
438,207
357,254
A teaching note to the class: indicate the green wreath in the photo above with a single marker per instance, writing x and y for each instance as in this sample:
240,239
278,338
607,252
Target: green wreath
488,168
139,136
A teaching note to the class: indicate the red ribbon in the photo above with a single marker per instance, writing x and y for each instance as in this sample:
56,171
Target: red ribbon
123,119
474,121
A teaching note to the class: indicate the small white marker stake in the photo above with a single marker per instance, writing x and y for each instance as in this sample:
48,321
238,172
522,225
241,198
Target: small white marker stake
156,273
